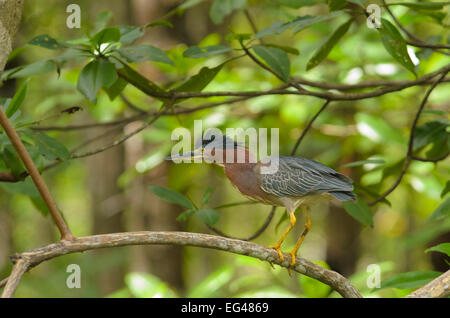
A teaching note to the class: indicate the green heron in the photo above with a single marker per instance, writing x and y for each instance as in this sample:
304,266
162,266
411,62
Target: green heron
298,182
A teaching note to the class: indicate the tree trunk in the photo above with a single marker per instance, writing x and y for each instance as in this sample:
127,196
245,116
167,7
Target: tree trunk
10,15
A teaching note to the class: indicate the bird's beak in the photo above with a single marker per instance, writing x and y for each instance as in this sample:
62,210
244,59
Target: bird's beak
197,153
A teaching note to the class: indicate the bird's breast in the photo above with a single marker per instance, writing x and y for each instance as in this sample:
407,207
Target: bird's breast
247,179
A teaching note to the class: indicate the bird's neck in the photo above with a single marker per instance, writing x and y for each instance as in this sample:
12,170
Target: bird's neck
238,158
243,175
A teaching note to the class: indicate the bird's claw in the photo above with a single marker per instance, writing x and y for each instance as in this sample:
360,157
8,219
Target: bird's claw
292,258
280,254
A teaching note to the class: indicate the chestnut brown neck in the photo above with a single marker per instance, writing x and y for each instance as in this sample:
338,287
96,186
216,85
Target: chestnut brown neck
244,177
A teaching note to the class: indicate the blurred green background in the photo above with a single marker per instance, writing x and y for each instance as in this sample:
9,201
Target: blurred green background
109,192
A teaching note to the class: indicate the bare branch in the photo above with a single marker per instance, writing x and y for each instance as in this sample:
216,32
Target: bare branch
254,235
308,127
37,178
409,154
81,244
13,280
437,288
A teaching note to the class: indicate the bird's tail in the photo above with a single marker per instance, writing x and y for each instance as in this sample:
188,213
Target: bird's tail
344,195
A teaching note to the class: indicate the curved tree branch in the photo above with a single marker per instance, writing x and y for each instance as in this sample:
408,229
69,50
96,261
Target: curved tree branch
34,257
437,288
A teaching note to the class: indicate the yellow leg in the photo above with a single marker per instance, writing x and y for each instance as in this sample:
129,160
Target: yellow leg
283,236
308,224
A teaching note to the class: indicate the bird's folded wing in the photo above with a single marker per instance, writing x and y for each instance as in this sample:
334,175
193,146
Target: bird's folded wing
299,177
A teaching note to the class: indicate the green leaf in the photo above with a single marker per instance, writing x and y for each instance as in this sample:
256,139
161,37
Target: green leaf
326,48
377,129
240,37
421,5
334,5
297,24
111,34
372,193
115,89
45,41
51,148
129,33
277,59
140,82
205,51
221,8
12,161
409,280
40,205
213,283
287,49
140,53
359,210
209,216
199,81
188,4
364,162
358,2
25,187
40,67
206,196
442,248
395,45
95,75
297,3
430,132
442,211
184,215
17,100
446,189
159,23
171,196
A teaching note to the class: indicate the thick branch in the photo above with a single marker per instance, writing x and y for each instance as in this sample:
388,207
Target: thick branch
81,244
437,288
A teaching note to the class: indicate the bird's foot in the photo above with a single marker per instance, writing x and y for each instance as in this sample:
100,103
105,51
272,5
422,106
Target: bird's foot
276,247
293,254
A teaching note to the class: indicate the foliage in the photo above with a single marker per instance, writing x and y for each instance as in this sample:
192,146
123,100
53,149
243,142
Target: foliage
366,138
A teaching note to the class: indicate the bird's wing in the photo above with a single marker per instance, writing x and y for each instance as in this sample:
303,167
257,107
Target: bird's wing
299,177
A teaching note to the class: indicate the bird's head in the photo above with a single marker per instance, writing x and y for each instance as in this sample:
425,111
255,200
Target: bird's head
213,147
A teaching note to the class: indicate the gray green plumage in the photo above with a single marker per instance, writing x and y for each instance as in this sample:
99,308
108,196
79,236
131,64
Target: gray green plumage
298,177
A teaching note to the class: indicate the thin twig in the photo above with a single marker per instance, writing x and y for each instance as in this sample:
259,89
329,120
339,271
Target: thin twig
35,176
308,127
409,153
443,157
131,105
416,41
